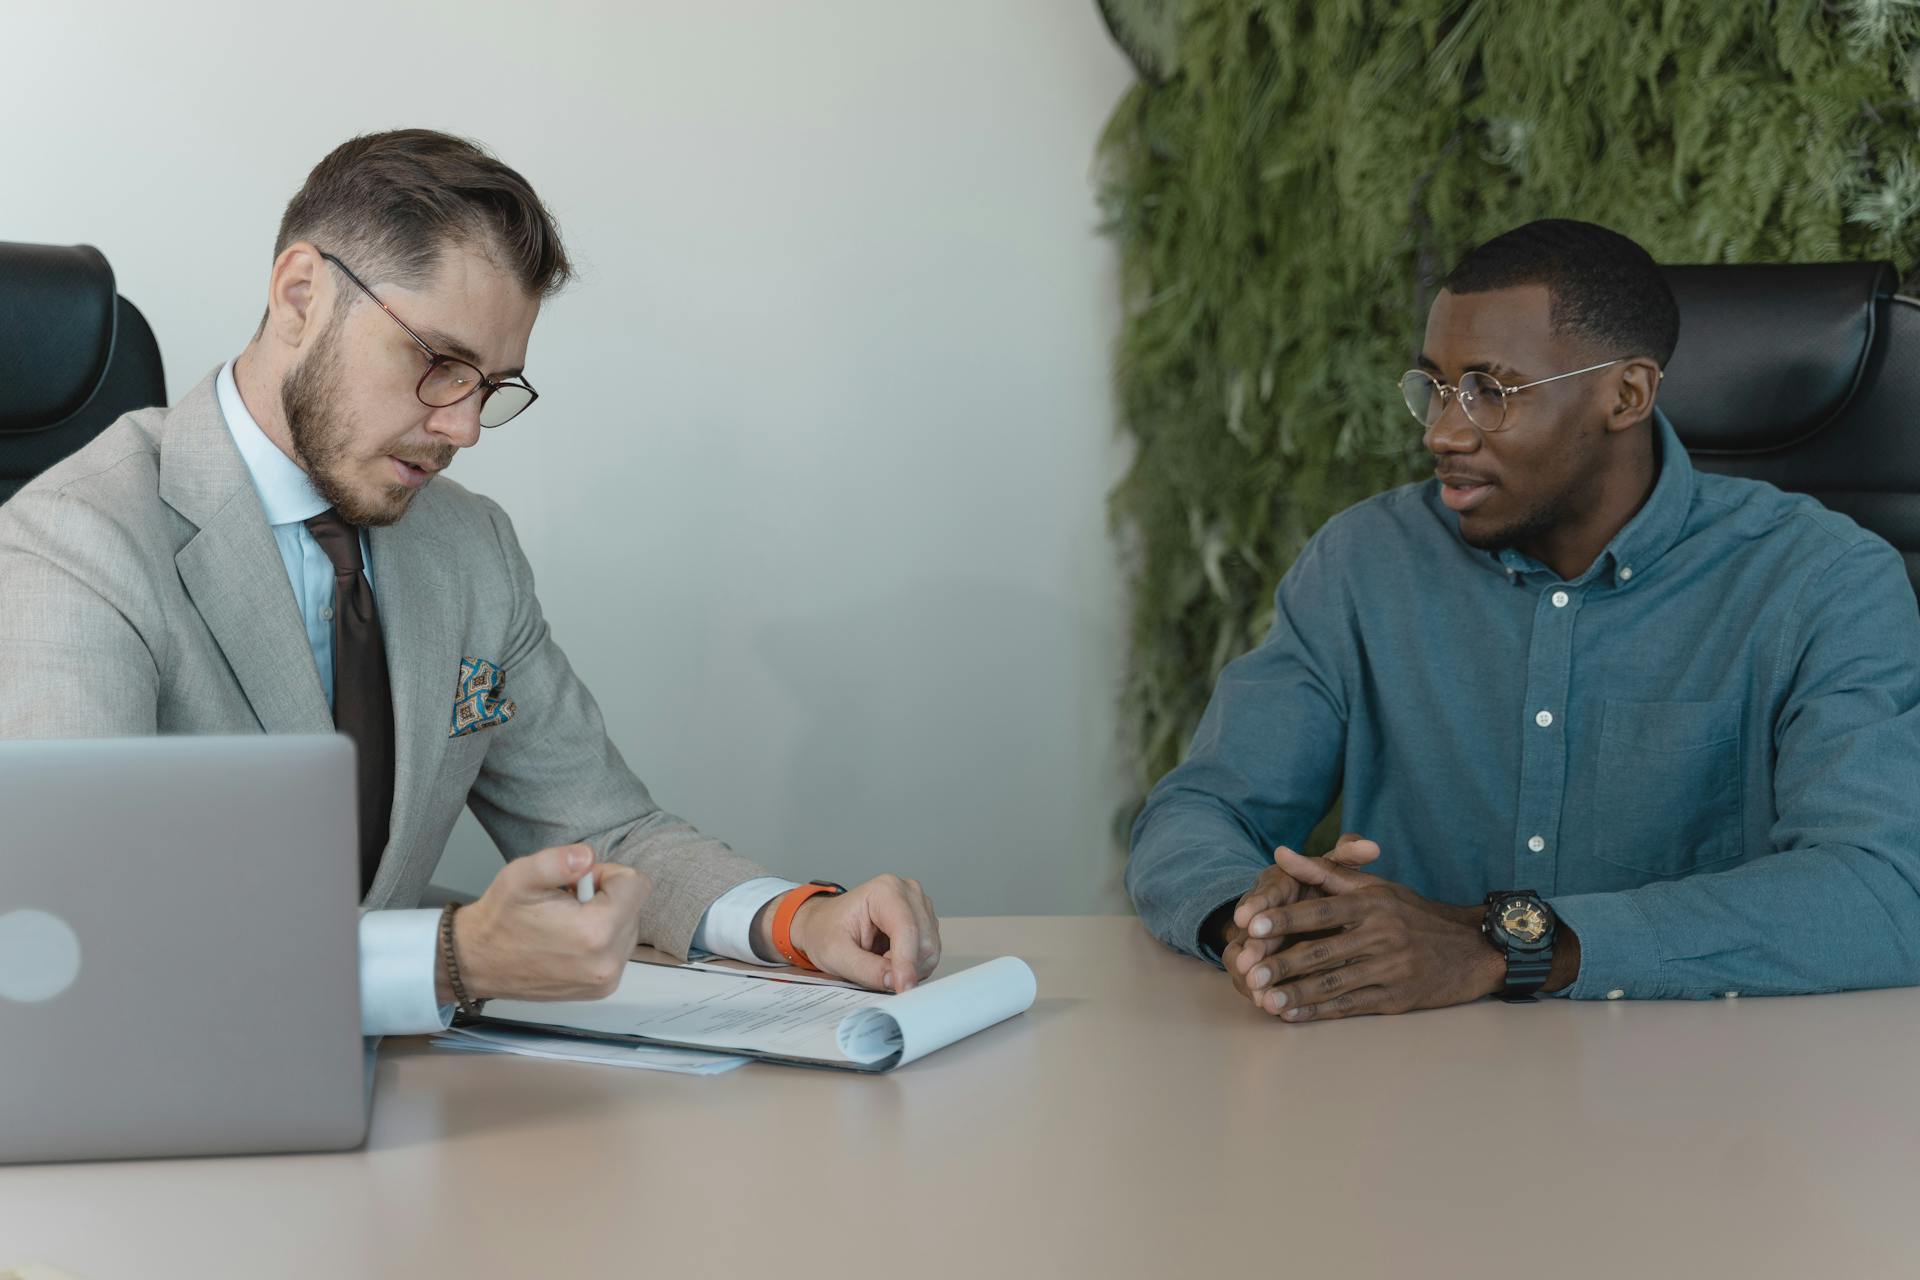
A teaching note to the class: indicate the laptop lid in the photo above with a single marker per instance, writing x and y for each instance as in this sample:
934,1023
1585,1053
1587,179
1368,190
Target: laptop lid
179,970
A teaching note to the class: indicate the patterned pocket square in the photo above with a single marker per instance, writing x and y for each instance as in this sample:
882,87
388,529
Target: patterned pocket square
477,702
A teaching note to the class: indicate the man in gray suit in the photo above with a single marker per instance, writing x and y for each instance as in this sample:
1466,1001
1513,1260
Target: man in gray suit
278,553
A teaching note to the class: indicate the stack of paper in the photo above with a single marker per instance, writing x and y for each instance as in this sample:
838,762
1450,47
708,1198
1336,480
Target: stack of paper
532,1044
764,1016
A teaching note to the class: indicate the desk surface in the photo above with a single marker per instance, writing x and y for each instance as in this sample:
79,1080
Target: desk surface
1139,1120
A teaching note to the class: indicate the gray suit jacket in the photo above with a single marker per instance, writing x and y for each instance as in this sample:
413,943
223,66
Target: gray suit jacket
141,592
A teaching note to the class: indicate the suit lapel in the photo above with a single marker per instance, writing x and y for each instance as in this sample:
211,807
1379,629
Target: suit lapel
232,569
414,576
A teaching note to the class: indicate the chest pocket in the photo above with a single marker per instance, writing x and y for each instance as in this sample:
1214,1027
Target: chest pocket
1668,795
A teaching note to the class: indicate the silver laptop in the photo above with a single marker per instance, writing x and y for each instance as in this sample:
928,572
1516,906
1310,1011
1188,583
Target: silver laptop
179,969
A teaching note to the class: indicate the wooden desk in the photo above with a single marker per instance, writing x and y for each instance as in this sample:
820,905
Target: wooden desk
1138,1121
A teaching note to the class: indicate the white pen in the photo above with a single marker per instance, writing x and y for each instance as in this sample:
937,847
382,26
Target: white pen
584,887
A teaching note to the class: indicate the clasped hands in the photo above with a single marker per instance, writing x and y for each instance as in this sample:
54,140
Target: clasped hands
1317,938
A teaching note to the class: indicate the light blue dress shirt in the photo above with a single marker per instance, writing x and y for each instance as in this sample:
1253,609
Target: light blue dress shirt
399,949
1704,750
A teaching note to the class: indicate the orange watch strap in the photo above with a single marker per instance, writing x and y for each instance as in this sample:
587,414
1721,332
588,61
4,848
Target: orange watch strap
783,922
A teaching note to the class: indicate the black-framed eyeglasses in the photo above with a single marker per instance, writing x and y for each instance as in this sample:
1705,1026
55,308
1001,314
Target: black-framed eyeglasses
1483,397
448,379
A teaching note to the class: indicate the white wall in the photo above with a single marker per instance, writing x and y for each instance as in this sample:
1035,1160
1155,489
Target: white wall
815,486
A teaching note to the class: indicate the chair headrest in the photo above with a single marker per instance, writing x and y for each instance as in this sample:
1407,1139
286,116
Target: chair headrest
57,316
1769,353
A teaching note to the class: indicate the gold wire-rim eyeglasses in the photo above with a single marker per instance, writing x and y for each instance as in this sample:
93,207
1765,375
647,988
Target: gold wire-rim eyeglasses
1426,396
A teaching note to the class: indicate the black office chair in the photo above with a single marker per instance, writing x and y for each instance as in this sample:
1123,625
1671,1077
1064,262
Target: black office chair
74,355
1807,377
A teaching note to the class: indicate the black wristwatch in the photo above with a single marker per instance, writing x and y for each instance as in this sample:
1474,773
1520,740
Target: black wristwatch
1520,925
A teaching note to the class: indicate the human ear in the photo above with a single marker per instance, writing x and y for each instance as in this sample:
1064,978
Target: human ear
1636,385
294,292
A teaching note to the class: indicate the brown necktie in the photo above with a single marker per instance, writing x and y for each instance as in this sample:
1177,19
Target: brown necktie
362,698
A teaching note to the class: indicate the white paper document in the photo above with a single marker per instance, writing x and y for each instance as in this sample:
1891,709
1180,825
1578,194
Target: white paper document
785,1021
800,976
534,1044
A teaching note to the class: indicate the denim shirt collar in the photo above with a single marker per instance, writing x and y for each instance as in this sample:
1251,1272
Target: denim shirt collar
1653,530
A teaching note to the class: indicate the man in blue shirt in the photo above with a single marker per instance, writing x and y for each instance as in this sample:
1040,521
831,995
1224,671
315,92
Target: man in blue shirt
1613,726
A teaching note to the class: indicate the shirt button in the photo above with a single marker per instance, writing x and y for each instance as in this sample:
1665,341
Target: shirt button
1544,719
1626,573
1615,994
326,613
1536,844
1560,599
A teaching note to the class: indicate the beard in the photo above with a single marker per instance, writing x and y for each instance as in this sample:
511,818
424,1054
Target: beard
1578,494
323,437
1525,528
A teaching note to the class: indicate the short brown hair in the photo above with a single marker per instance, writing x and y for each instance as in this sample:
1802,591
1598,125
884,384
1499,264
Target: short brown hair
390,204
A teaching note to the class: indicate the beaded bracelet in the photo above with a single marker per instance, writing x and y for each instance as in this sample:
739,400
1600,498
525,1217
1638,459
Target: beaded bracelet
471,1008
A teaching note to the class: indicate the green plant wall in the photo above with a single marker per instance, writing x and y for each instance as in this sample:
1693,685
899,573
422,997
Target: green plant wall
1292,176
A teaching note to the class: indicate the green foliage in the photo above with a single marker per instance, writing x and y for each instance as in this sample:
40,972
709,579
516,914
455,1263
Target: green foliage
1286,201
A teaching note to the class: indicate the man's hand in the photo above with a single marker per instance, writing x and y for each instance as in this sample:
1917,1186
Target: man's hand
1277,888
881,934
1390,950
529,937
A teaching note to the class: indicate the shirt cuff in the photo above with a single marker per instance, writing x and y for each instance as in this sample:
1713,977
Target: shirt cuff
399,955
1619,952
1202,947
726,929
1189,919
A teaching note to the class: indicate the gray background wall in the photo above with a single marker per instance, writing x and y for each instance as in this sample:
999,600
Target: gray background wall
815,487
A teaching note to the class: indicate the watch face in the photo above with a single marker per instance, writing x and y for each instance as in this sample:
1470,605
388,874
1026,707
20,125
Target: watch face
1524,920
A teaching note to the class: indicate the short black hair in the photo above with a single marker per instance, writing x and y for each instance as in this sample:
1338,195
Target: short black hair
1602,285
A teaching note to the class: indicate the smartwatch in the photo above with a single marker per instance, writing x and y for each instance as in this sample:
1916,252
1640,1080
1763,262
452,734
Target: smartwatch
783,920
